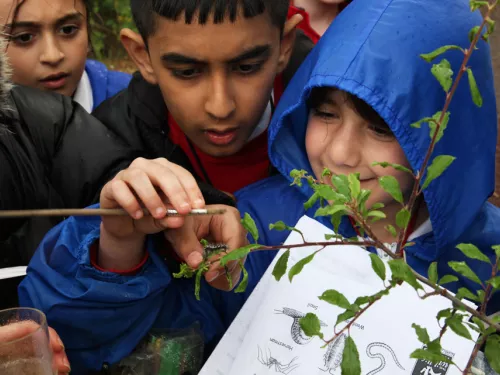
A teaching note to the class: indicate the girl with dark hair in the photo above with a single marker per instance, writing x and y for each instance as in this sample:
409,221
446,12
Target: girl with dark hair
48,44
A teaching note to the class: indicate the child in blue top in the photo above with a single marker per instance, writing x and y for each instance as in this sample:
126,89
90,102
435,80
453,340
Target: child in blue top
48,48
349,105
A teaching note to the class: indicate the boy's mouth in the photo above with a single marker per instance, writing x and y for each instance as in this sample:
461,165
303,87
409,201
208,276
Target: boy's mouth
54,81
221,138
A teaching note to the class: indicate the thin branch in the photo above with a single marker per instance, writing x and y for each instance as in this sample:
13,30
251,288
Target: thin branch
449,96
478,346
489,287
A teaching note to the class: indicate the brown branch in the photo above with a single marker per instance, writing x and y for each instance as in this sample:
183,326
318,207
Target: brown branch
97,212
489,287
449,96
478,346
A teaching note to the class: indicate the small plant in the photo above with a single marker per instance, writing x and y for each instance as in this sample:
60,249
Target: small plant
350,200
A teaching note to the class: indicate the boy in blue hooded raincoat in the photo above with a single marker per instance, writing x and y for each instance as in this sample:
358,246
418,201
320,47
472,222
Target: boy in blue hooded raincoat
349,105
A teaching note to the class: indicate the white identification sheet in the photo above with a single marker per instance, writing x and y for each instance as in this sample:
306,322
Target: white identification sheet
265,337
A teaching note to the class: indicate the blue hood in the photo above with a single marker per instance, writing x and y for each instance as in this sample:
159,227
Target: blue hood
372,51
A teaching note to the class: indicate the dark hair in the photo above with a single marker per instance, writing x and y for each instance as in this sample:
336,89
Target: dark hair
143,11
318,97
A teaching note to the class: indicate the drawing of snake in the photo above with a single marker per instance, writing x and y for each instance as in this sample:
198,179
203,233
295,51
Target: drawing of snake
381,357
298,336
333,355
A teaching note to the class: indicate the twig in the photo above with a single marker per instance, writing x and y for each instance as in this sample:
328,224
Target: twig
489,287
478,346
98,212
449,96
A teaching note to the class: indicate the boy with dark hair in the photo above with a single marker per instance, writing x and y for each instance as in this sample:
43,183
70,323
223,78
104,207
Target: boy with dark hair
210,74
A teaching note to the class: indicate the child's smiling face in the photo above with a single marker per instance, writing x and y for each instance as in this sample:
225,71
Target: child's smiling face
340,139
48,42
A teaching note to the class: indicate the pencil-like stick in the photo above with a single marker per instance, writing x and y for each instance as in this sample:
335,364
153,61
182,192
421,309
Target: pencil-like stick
98,212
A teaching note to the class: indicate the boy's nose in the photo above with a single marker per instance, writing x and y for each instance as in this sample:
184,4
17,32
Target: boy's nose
220,102
345,147
51,53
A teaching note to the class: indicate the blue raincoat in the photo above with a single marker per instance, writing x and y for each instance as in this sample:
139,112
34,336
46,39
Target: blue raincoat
372,51
105,83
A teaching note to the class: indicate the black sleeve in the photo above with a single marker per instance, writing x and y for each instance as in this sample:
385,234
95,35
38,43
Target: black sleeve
79,154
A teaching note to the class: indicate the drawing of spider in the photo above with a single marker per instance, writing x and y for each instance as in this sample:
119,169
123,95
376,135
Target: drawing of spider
270,362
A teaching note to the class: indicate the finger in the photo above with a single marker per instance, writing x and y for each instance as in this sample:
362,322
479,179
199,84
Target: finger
119,192
55,341
140,182
170,185
188,182
60,363
186,244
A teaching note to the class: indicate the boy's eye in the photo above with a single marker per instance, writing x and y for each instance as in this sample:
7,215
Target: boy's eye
382,131
23,38
69,29
186,73
247,68
325,114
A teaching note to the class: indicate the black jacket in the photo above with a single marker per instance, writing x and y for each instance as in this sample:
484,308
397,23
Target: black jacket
138,113
53,154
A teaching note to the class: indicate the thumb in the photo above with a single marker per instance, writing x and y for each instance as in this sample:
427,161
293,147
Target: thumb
186,244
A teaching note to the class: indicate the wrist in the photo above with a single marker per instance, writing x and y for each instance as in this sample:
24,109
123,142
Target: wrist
120,253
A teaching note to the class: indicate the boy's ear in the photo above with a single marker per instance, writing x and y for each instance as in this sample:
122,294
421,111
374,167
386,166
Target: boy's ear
288,41
138,52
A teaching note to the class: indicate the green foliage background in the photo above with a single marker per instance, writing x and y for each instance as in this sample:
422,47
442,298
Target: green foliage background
107,18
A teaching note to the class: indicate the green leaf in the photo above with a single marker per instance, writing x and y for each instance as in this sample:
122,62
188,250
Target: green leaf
346,315
244,283
456,325
312,201
419,123
491,351
335,298
422,334
432,273
446,313
463,269
378,266
476,4
297,267
197,284
432,55
363,197
495,282
496,248
329,237
443,74
281,226
474,91
401,271
185,271
479,323
238,254
341,183
430,356
473,32
442,127
377,215
466,293
446,279
204,242
377,206
328,193
311,325
330,210
350,358
436,169
391,230
326,172
297,176
354,185
472,252
403,218
363,300
281,265
249,224
397,167
391,185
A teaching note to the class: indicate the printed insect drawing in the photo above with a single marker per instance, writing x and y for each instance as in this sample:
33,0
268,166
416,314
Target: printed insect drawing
269,361
298,336
333,354
382,359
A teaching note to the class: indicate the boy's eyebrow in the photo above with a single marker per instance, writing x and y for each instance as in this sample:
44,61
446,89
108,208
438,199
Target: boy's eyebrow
254,52
33,24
